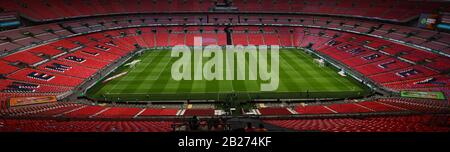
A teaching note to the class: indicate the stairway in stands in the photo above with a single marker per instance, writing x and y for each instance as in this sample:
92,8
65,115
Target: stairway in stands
228,32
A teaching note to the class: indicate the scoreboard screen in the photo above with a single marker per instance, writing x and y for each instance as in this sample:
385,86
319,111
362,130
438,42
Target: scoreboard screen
444,22
425,95
9,20
428,21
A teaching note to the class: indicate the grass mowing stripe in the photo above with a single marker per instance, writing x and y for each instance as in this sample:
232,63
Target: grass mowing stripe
185,85
162,78
286,79
251,85
325,75
315,73
121,79
304,72
230,82
132,87
199,86
343,83
211,86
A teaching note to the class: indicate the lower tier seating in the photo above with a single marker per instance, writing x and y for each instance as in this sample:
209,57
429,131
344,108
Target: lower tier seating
158,112
19,125
420,123
274,111
199,112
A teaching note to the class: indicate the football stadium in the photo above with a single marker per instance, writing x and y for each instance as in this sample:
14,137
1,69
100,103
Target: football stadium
224,66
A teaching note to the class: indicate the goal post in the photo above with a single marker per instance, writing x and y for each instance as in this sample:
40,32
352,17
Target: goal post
133,63
320,62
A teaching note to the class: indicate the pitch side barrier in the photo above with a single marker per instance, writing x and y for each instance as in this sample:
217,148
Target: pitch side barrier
217,97
176,119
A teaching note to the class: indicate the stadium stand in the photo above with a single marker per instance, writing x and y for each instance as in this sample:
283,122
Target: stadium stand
158,112
119,113
422,123
67,68
198,112
63,44
85,112
48,109
21,125
372,9
313,110
274,111
35,76
10,86
23,57
7,68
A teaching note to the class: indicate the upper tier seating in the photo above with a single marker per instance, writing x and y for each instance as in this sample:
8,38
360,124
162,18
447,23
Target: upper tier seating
14,39
380,9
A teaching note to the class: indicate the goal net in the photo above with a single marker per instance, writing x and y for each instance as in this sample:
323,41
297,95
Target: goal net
133,63
320,62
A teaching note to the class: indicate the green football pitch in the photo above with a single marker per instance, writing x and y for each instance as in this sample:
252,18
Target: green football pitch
150,79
